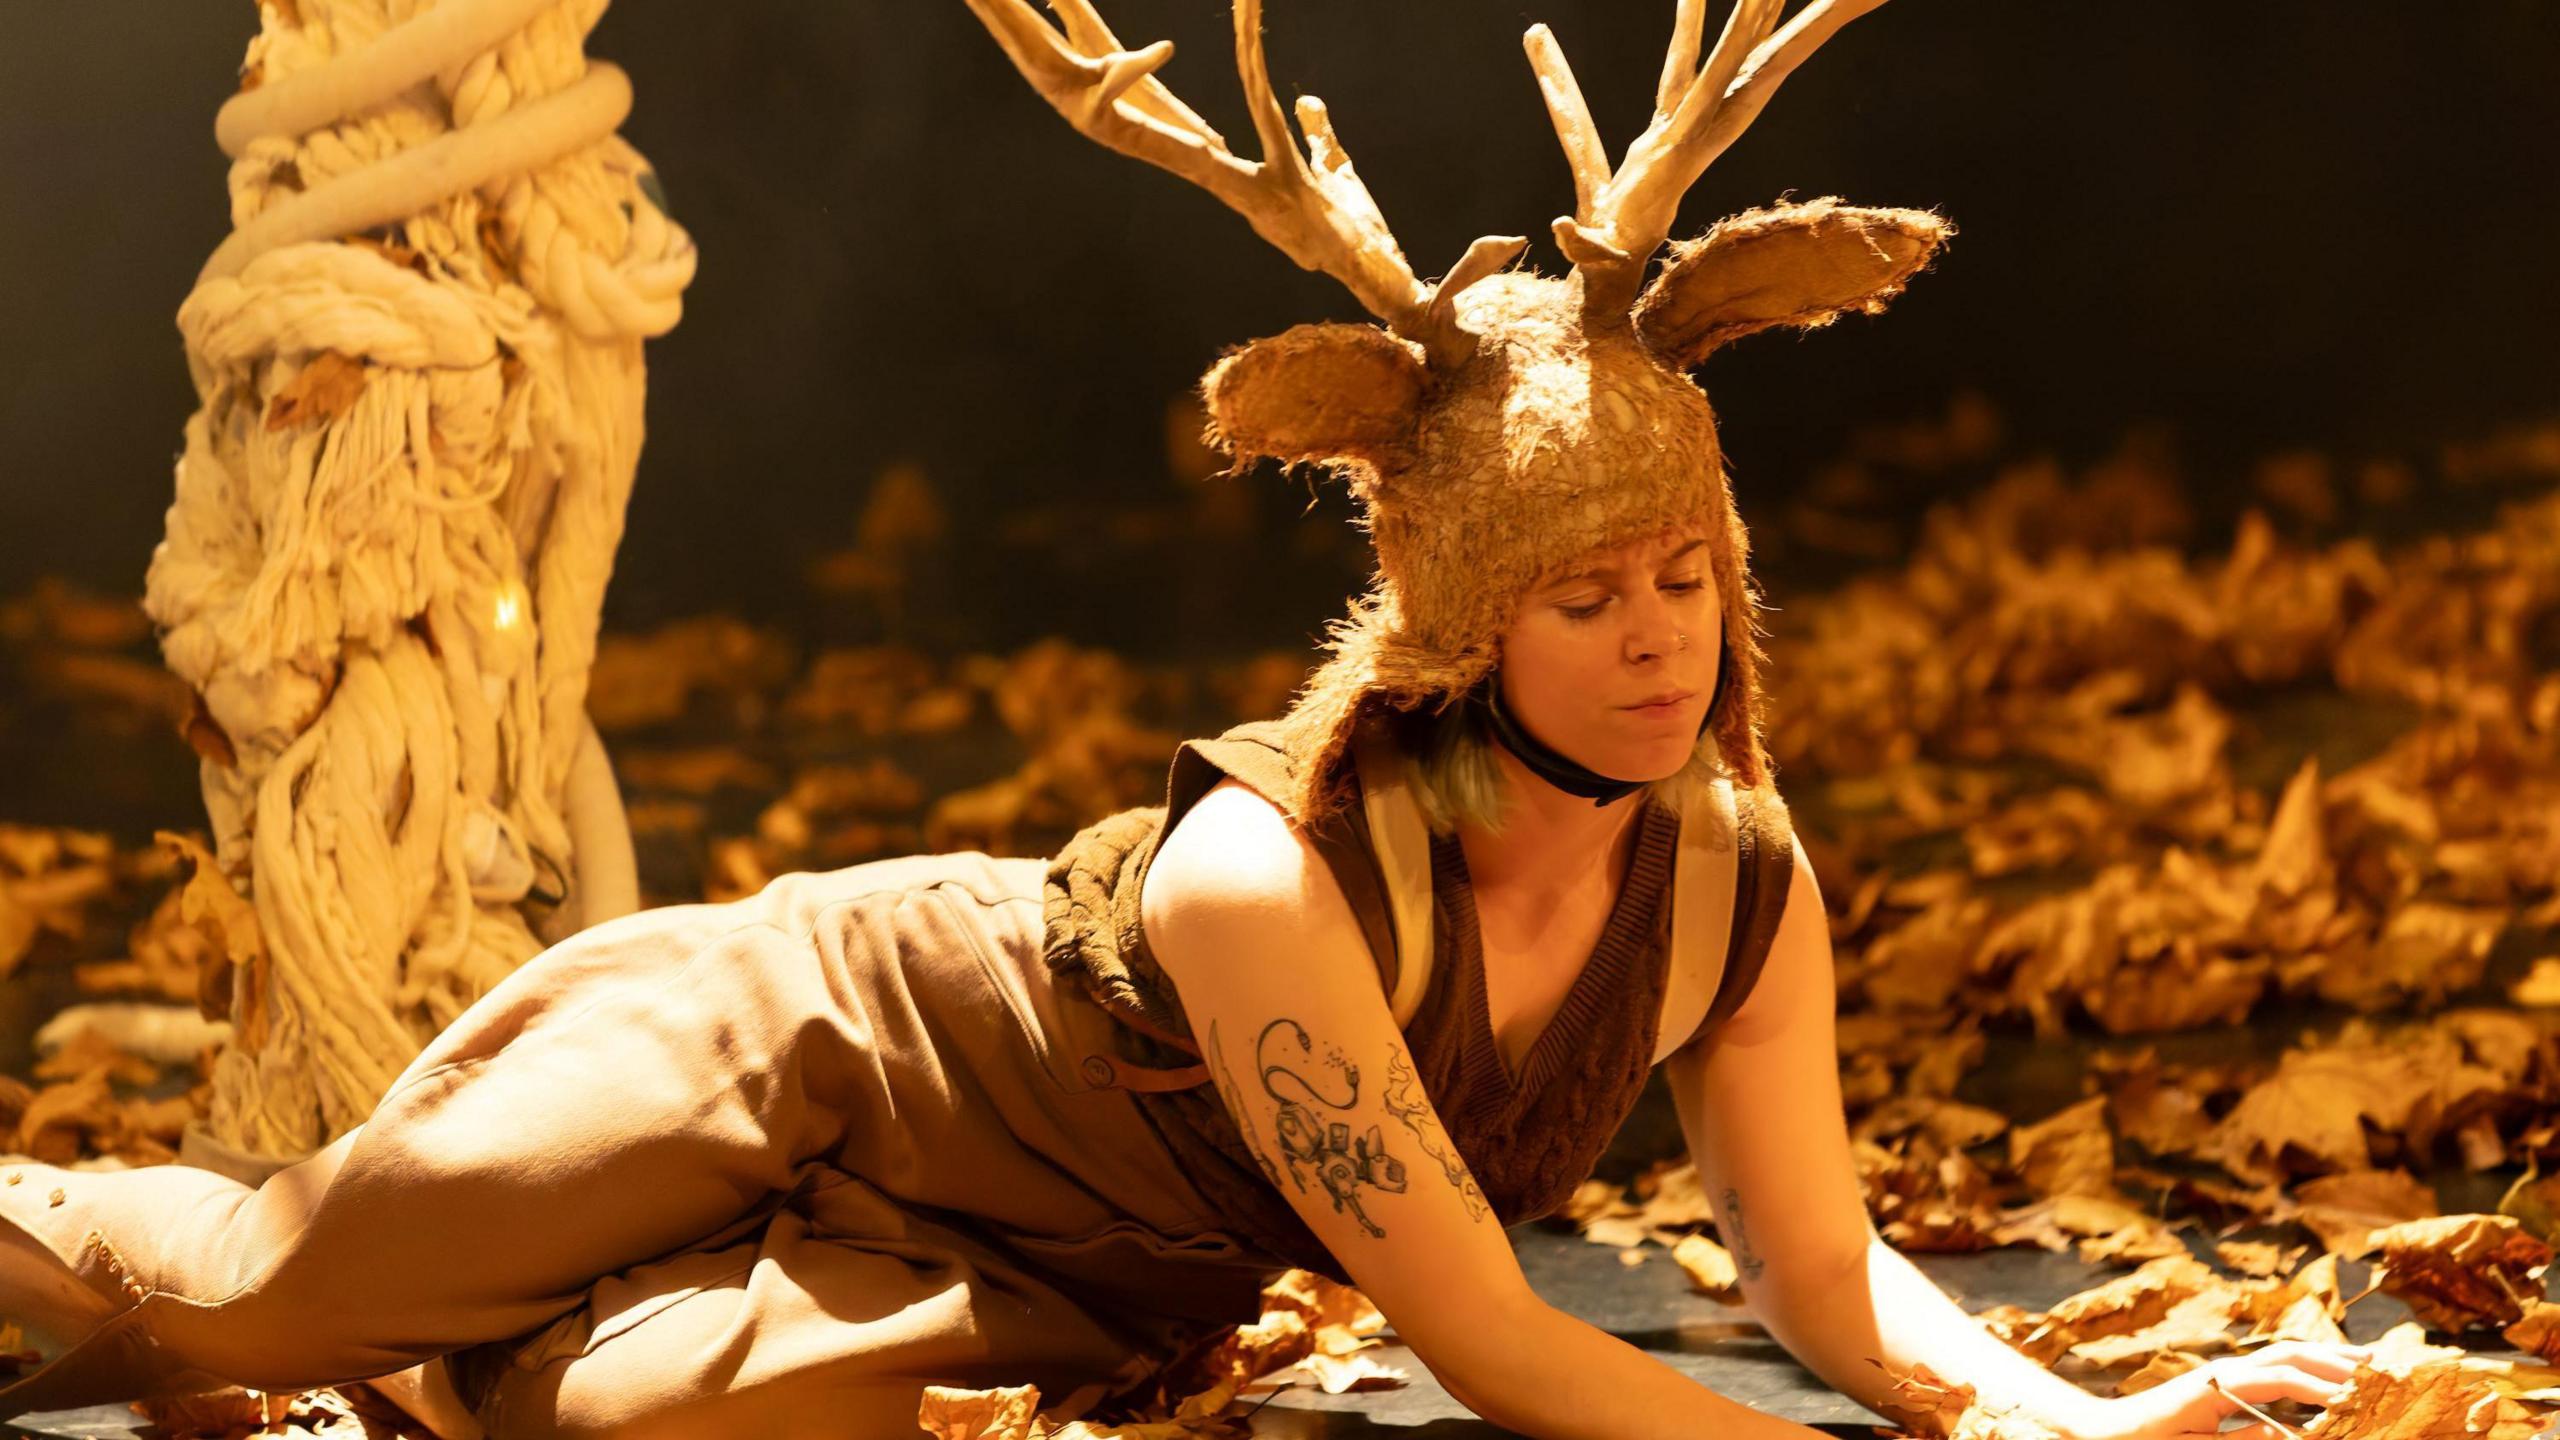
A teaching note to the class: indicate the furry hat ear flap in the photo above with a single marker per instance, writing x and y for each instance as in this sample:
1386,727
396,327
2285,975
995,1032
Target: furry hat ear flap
1787,265
1316,392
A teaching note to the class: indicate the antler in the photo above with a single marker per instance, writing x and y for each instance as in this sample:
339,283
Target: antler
1620,219
1312,206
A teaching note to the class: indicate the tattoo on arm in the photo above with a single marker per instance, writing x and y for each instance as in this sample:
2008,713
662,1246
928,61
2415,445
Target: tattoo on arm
1744,1258
1307,1140
1226,1081
1404,1099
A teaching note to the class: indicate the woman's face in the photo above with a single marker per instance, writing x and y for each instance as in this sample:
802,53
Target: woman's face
1596,642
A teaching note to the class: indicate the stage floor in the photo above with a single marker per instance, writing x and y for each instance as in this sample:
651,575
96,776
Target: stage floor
1652,1306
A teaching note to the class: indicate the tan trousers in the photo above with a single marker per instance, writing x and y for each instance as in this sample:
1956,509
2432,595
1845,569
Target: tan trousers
765,1168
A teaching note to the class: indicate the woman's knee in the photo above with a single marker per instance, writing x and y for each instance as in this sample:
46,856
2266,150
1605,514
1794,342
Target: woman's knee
685,1348
270,1339
597,1403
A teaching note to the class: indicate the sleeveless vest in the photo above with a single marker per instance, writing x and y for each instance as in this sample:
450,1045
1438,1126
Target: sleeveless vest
1528,1140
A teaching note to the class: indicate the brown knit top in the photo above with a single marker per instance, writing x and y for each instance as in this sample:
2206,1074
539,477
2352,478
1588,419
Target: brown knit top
1529,1138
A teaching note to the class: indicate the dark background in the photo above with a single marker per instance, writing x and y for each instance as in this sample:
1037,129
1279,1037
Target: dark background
2264,225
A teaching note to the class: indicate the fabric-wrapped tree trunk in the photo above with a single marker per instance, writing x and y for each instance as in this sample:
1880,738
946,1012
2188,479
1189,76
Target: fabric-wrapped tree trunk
418,365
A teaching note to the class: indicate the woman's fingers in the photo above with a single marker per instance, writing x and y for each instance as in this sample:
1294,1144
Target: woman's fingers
2262,1384
2335,1361
2312,1374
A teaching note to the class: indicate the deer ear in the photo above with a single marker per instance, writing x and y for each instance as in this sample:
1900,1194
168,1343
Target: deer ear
1316,392
1787,265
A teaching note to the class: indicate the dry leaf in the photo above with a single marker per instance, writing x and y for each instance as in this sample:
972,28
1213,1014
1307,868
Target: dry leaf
2430,1402
18,928
324,389
1002,1413
1673,1196
2198,1323
2148,1106
1338,1374
1933,1406
2306,1306
2260,1258
82,1101
2535,1202
1709,1267
699,770
2459,1272
2166,1365
2344,1209
2069,1153
2537,1330
640,680
234,982
2125,1305
2312,1113
92,1050
1199,1417
2540,986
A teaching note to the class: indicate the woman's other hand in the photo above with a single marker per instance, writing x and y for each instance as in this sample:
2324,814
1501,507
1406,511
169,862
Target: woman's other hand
2196,1403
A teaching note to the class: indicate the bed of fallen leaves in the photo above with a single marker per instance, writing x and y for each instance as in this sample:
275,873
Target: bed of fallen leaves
1312,1331
2069,769
2408,1390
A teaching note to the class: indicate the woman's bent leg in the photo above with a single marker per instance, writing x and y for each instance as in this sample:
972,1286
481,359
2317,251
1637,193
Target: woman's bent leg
619,1098
828,1324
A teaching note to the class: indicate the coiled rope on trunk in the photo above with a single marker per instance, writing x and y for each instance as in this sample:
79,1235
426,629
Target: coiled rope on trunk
417,360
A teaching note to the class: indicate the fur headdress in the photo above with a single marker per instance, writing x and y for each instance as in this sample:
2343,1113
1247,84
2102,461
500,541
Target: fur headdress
1500,423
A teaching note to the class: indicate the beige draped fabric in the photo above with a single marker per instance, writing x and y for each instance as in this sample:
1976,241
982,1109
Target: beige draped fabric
418,365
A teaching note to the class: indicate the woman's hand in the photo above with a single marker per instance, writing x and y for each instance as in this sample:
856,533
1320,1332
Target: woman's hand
2197,1402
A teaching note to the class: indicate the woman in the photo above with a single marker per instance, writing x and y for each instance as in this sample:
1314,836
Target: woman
1249,915
768,1168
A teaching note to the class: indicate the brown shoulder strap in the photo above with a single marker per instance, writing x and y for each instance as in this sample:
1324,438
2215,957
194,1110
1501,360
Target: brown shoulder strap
1252,753
1702,912
1400,844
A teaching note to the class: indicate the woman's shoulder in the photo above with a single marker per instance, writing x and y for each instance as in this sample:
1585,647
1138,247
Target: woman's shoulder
1238,864
1232,839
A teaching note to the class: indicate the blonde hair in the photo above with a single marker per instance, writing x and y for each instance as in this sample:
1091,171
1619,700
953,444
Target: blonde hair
1449,760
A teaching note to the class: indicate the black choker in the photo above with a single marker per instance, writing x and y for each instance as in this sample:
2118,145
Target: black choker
1553,765
1544,761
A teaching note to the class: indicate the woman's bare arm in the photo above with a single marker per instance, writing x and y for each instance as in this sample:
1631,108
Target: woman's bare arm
1760,1104
1276,980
